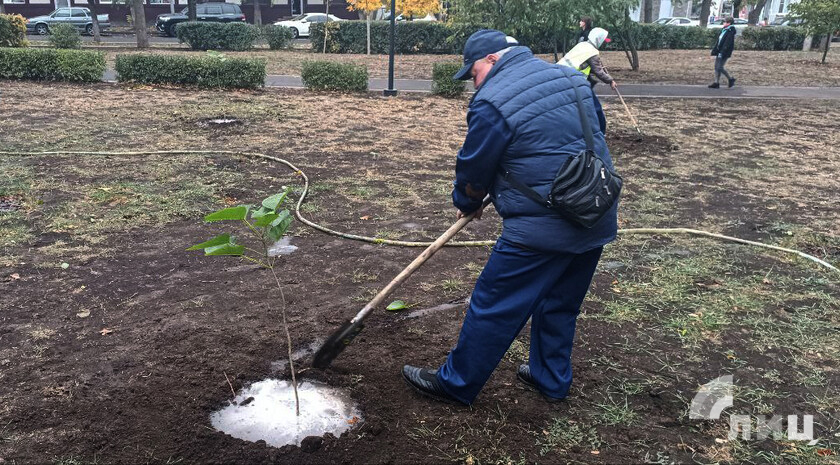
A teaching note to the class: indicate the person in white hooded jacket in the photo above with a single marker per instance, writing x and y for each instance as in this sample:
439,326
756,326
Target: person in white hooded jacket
585,58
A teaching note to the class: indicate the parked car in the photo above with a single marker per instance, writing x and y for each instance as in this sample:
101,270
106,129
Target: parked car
216,12
79,17
677,21
300,24
739,23
428,17
783,21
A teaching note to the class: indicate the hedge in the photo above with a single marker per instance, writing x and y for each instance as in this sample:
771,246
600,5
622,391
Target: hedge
65,36
51,64
208,71
442,82
278,37
773,38
328,75
441,38
217,36
13,31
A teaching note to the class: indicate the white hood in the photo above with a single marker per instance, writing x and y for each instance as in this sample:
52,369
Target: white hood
597,36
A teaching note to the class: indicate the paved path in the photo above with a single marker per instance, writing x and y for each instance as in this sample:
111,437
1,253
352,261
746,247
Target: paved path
627,90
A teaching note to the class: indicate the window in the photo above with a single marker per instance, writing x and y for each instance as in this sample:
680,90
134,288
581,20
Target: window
79,13
228,9
62,13
317,19
214,10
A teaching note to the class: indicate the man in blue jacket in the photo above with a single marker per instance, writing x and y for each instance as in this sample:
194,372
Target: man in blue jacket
522,120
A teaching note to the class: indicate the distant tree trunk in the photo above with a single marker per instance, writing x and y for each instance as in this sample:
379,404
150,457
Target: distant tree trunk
2,7
326,29
367,14
93,6
647,11
191,10
736,8
556,56
806,44
629,40
755,14
705,9
827,44
138,12
258,13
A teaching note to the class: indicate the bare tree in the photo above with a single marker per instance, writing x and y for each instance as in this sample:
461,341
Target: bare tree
138,13
93,6
705,9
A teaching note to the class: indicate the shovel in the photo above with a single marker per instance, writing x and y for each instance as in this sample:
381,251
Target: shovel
344,335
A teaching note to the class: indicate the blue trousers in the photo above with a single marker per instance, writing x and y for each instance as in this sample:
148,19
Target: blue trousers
517,284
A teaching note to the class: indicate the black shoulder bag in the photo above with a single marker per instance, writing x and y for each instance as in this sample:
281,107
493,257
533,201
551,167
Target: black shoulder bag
585,188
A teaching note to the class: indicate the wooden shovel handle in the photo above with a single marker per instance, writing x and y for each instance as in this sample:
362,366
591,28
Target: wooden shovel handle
411,268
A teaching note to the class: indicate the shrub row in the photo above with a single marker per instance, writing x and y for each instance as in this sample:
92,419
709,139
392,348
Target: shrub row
231,36
328,75
209,71
13,31
65,36
51,64
436,37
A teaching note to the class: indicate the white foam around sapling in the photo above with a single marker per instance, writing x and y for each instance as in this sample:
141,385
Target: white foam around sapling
271,415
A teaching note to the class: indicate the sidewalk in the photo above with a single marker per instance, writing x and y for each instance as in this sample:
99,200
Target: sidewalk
627,90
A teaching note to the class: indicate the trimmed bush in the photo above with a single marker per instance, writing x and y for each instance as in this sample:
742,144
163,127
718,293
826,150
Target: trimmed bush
278,37
442,82
327,75
65,36
217,36
51,64
657,36
13,31
773,38
206,71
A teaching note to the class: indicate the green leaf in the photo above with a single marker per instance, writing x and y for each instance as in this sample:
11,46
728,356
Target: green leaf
275,200
280,225
225,249
260,212
266,220
233,213
218,240
65,265
396,306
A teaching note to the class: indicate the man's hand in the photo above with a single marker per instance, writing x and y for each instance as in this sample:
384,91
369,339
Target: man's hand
478,213
613,85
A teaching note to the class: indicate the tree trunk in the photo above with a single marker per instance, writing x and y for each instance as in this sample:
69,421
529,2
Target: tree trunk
2,7
629,40
647,16
138,11
827,44
556,56
93,6
326,29
191,10
368,31
736,8
755,14
258,13
705,9
806,44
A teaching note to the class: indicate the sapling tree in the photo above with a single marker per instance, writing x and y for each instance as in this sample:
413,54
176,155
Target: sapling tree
267,223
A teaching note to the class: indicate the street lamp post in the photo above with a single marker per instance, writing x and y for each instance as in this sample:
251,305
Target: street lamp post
390,91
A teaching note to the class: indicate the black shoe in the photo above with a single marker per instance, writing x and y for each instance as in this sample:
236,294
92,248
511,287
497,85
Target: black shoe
731,82
524,374
714,85
425,382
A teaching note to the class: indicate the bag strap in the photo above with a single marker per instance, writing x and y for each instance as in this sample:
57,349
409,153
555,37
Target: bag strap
590,146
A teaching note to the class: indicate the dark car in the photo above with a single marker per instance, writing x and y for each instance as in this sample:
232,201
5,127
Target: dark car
212,12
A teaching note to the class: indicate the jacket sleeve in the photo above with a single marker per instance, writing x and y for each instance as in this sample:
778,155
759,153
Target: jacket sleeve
488,136
599,70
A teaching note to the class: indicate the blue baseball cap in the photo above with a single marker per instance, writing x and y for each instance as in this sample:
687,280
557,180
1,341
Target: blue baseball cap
481,44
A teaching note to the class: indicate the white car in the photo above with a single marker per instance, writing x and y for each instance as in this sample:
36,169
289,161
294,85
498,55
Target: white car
739,23
677,21
300,24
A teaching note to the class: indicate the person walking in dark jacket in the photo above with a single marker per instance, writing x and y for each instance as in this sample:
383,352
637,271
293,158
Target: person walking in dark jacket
522,121
585,27
722,51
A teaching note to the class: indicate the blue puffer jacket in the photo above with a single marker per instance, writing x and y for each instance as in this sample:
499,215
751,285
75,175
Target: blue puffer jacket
539,105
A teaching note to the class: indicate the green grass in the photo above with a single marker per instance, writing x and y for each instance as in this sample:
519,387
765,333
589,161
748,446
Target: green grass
563,434
612,412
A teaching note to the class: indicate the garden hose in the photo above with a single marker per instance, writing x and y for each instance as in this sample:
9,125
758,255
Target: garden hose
376,240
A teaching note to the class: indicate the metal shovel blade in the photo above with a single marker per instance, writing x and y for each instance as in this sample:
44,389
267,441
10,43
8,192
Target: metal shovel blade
336,343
